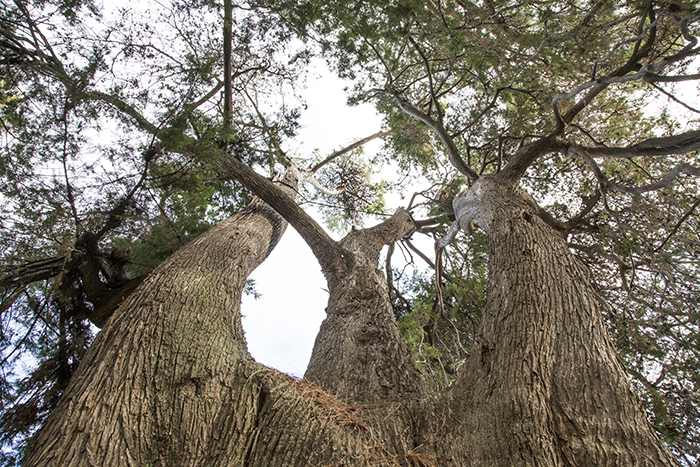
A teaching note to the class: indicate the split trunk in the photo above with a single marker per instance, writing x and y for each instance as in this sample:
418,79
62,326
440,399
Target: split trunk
169,380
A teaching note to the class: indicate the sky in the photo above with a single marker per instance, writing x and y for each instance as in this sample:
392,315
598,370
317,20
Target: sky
282,324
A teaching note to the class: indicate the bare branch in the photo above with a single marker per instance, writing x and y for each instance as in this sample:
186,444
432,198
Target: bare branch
678,225
675,99
598,250
607,185
572,223
622,74
433,96
347,149
422,255
228,71
119,104
664,146
333,259
654,78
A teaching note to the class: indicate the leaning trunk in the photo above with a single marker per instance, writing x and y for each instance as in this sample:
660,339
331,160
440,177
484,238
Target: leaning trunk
156,385
169,381
359,354
543,384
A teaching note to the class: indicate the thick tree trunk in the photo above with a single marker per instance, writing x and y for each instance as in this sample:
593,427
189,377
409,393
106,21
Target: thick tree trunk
169,380
543,386
359,353
157,382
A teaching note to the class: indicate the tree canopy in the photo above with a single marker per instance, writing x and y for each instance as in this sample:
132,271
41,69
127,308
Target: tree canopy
114,120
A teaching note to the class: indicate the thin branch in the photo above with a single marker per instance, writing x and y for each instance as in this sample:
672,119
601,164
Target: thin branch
190,107
11,299
598,250
587,208
420,254
531,57
347,149
426,63
636,40
165,215
607,185
572,223
21,341
69,187
119,104
621,75
228,94
675,99
678,225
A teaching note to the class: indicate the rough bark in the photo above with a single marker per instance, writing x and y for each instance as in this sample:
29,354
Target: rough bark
169,381
158,377
359,352
543,385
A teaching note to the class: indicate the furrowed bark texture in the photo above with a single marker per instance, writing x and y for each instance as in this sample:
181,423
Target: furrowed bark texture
169,381
543,386
359,354
159,376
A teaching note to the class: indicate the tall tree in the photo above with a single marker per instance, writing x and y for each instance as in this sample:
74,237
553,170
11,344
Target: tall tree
490,88
478,79
107,170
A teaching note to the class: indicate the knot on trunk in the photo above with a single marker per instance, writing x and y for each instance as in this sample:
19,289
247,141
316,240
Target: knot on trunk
490,198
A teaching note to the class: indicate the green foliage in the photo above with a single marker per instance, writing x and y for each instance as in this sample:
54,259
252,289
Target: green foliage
648,272
10,110
440,336
112,126
357,193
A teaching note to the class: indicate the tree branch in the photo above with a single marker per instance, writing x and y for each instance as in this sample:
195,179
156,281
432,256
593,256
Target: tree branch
678,225
228,94
526,155
334,260
347,149
452,151
674,98
654,78
574,221
607,185
621,75
431,86
664,146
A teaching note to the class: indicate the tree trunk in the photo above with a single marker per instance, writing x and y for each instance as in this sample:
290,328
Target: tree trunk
159,376
359,352
543,385
169,381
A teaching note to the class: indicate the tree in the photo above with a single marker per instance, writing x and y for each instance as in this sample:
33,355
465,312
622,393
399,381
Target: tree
100,176
489,108
168,381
